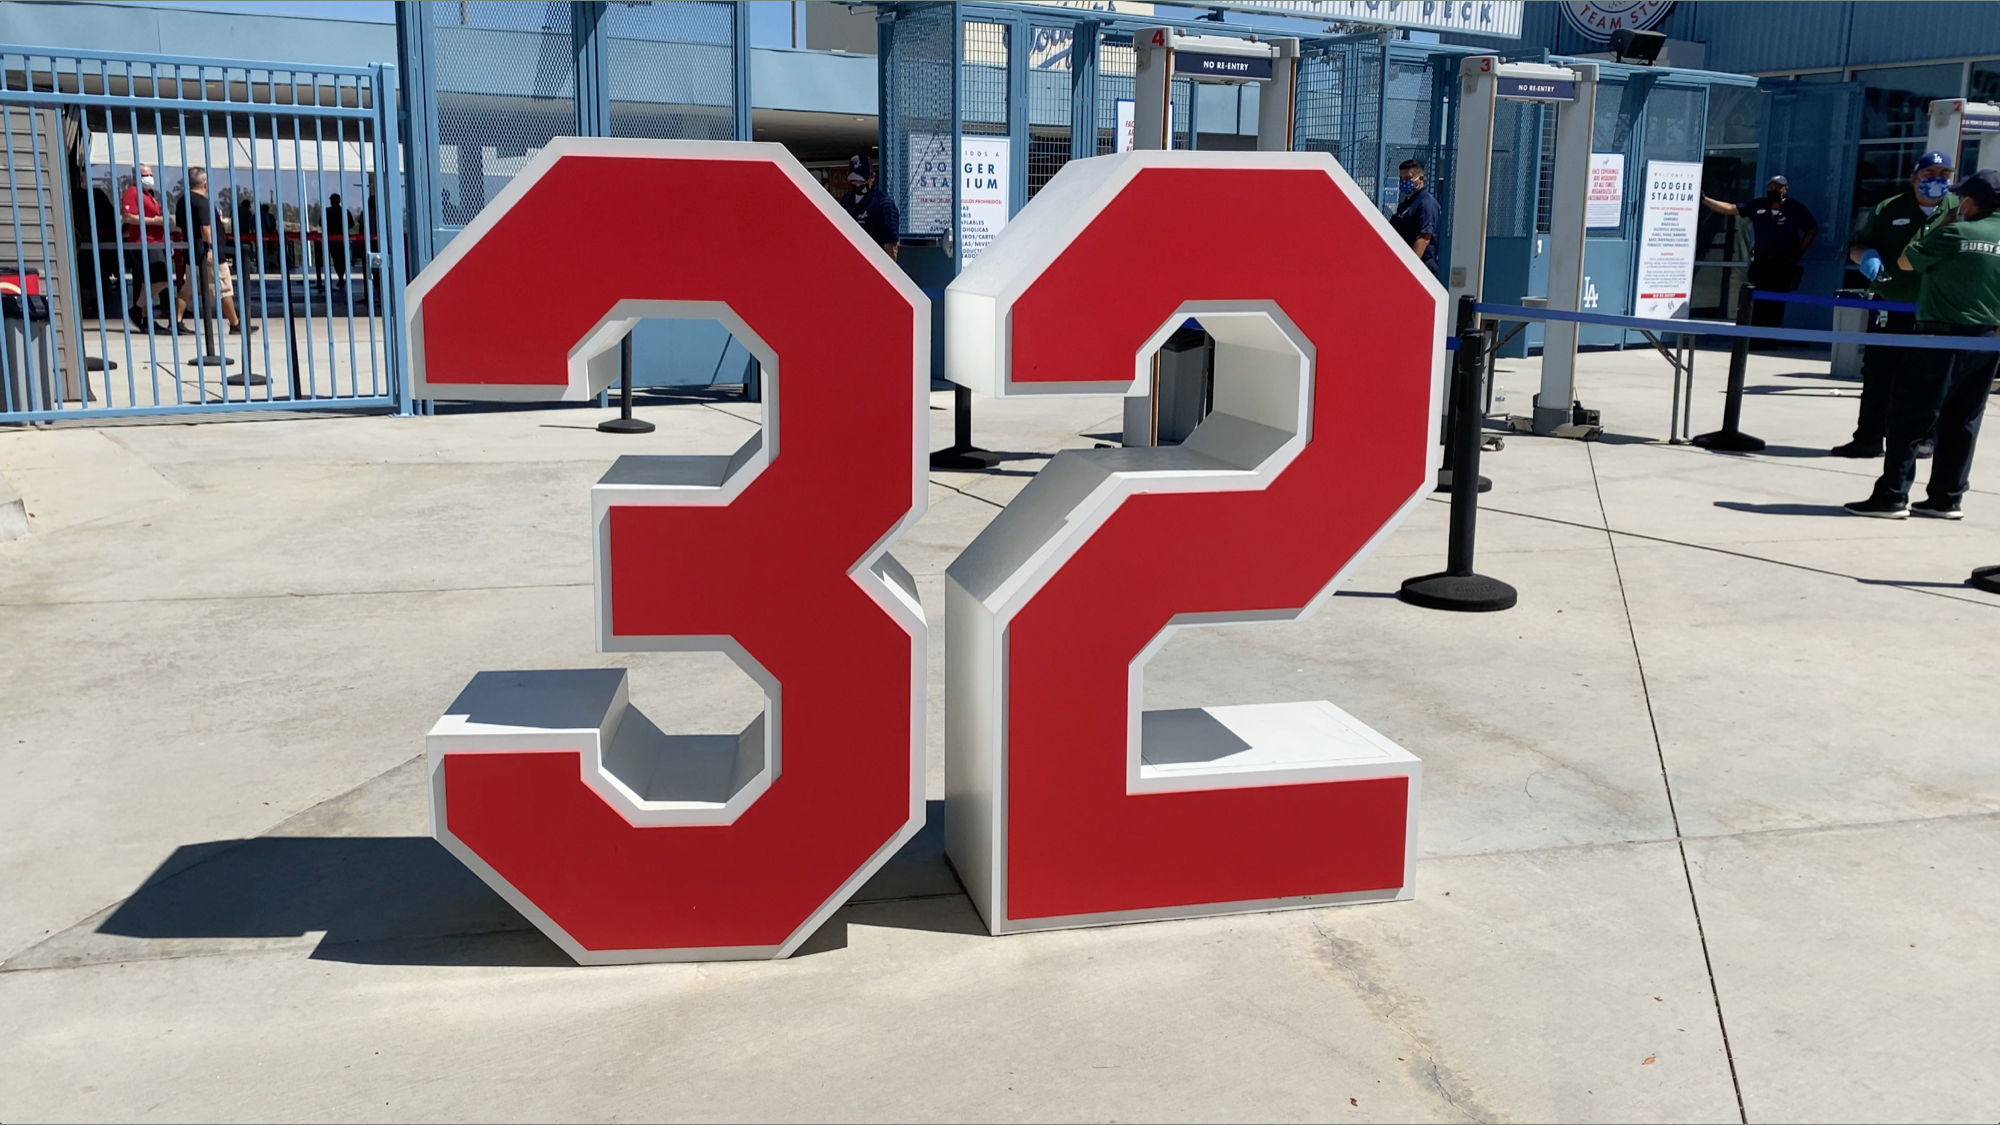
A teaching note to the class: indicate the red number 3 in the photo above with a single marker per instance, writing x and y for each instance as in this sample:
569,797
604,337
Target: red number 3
1067,804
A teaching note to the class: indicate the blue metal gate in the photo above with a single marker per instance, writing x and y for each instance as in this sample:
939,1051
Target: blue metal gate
190,235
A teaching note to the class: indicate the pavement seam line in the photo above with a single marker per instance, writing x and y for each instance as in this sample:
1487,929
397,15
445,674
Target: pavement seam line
293,594
1667,785
1949,593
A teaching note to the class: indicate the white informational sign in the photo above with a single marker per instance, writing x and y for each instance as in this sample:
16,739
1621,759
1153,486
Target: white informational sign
930,184
985,193
1605,205
1666,239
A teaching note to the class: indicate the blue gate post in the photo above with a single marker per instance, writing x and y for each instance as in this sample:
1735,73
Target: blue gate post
593,68
740,50
416,52
1083,90
389,189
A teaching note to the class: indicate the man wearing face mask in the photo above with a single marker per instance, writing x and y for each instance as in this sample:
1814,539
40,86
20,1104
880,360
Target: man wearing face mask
1878,243
145,246
1781,231
1958,267
1417,213
870,205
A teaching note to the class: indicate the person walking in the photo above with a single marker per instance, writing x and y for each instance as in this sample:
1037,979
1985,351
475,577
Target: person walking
217,282
1959,268
870,205
1417,214
1876,246
1781,231
145,239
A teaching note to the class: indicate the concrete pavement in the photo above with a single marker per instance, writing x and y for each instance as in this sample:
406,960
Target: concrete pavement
1710,821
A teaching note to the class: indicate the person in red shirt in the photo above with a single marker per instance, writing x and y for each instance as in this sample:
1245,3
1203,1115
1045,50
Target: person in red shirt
145,238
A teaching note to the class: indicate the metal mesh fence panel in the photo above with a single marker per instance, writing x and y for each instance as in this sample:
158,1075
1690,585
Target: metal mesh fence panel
1517,156
1340,108
1048,105
1406,126
506,83
916,115
982,91
672,70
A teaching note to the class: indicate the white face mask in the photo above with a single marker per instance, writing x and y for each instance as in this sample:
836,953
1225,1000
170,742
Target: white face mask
146,180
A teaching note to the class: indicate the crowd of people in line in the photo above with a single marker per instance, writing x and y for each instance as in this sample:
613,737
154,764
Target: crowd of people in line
197,273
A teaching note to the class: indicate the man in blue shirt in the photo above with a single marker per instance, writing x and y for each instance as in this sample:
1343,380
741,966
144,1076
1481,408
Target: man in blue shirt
1781,231
870,205
1418,214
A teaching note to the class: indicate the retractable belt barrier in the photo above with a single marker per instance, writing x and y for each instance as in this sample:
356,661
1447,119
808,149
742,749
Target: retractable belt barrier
1739,331
1823,301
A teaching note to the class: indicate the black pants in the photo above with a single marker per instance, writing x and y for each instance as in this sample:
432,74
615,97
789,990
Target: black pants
1879,365
1780,276
1945,389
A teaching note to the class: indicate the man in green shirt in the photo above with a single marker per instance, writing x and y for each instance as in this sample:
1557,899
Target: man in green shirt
1875,249
1959,268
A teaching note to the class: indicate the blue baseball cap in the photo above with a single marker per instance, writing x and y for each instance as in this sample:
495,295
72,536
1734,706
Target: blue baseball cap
1779,180
1931,159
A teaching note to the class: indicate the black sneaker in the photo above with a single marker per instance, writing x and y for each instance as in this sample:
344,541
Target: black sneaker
1880,509
1938,509
1857,449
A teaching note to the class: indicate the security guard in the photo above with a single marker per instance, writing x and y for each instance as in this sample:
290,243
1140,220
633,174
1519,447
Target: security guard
1781,231
1877,244
1958,265
1417,214
870,205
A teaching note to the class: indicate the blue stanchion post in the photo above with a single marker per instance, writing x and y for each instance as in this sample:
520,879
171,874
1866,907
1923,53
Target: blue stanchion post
1458,587
1731,438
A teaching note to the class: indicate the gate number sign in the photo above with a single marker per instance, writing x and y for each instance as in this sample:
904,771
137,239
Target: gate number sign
1067,803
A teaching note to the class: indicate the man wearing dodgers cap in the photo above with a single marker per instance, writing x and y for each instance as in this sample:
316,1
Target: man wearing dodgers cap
1781,231
1878,242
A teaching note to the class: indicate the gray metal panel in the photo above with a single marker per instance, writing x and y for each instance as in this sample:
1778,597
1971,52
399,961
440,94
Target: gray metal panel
31,140
1749,37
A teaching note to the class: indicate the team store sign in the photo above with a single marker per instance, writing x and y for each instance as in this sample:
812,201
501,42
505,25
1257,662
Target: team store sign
1067,803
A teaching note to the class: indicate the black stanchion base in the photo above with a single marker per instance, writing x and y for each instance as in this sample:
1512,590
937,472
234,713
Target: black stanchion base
247,379
210,361
1444,482
964,458
1728,441
1985,578
625,426
1463,593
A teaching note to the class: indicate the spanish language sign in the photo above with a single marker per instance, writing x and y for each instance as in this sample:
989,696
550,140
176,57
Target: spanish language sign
985,197
1666,239
1605,206
984,193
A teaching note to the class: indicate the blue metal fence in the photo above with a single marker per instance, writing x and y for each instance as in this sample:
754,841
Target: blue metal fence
189,235
488,82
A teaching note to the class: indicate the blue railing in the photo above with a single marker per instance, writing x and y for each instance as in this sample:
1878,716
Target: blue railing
261,269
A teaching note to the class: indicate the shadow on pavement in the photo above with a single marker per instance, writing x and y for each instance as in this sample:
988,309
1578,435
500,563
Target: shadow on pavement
404,900
1784,509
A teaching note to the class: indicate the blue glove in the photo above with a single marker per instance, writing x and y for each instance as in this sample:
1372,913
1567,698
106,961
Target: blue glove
1871,265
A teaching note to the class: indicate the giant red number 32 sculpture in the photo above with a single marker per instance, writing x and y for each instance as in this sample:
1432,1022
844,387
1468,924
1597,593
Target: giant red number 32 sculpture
1067,804
621,844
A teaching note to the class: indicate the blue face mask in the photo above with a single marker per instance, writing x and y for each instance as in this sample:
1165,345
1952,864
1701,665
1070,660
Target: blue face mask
1931,191
1406,188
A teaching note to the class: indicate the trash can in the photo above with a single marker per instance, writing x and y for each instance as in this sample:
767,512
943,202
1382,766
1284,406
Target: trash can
1847,357
1183,390
27,355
